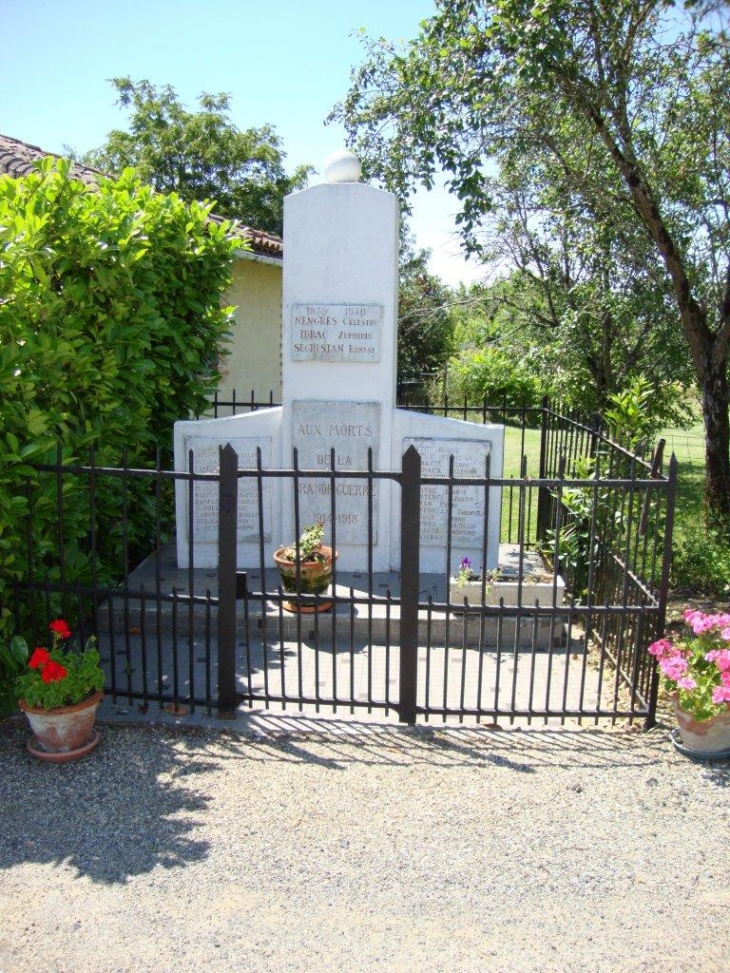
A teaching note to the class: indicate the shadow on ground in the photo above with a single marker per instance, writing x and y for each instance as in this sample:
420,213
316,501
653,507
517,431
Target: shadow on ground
122,811
135,803
336,745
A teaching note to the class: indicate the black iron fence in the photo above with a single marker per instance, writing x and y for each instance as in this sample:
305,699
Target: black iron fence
559,631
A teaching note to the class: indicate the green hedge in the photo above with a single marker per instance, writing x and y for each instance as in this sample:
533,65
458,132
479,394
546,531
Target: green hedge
111,325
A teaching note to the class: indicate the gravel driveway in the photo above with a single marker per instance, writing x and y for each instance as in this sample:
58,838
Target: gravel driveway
381,848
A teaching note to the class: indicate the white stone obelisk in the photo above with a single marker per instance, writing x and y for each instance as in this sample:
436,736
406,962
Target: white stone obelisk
339,350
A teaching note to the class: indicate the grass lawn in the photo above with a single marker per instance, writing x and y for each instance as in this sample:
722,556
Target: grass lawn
517,443
688,445
699,557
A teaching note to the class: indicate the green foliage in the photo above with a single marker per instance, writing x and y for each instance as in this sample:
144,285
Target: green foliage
110,329
573,544
13,659
587,144
701,561
510,331
200,155
309,547
425,323
638,412
497,376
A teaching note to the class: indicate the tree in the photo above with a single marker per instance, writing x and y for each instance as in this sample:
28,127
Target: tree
200,155
584,297
629,103
425,322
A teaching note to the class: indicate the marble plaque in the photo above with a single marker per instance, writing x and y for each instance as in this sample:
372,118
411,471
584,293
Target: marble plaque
205,495
350,428
336,332
467,514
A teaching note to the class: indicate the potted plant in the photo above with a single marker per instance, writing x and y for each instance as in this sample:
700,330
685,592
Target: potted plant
513,585
467,583
59,691
306,569
696,671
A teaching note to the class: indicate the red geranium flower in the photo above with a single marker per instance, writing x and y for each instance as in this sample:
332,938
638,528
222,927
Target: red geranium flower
60,627
53,672
39,658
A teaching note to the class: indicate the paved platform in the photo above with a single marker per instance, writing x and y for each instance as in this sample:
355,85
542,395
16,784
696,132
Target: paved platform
343,663
366,606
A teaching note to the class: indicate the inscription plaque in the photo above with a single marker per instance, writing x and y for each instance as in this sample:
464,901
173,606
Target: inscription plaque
467,512
336,332
350,428
205,495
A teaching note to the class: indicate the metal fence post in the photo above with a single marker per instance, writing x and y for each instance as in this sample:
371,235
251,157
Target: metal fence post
410,583
543,493
227,521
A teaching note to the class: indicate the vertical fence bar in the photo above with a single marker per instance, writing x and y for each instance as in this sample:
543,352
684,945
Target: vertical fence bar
158,563
227,516
671,496
543,494
262,565
409,547
128,667
60,530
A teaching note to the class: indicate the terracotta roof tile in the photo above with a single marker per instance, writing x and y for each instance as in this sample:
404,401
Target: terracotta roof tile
18,158
266,244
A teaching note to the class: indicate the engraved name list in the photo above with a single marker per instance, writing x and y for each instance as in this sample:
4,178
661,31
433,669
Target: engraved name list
336,332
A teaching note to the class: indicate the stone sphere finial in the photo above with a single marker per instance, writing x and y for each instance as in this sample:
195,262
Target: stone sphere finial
343,166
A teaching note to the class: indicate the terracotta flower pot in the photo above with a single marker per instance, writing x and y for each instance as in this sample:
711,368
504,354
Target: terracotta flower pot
314,578
64,733
704,737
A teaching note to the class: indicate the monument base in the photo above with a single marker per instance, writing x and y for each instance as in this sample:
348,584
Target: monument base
354,614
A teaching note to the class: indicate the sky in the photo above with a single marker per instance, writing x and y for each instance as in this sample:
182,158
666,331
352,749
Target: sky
284,63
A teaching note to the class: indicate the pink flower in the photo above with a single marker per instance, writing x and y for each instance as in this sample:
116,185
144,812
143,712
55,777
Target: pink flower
721,658
701,623
725,678
661,649
686,682
721,694
674,667
698,621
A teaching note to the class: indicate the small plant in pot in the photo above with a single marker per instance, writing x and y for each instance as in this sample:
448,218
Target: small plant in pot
306,569
470,583
696,671
59,691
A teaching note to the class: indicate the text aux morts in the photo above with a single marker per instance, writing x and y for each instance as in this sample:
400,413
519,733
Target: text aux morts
321,332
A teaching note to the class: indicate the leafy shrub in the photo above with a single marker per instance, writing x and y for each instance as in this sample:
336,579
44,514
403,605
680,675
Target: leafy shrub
491,374
110,328
701,562
569,545
638,412
13,657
